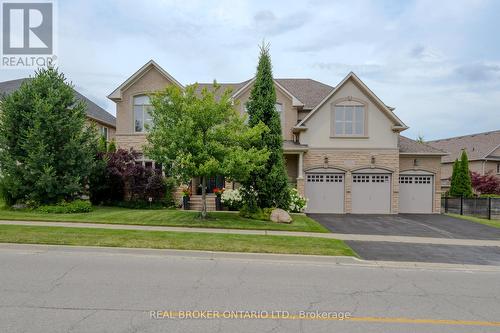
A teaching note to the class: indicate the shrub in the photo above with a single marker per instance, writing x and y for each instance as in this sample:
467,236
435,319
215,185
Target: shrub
77,206
118,178
297,202
232,199
263,214
487,184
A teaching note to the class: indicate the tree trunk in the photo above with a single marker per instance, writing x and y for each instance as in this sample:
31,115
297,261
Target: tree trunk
204,197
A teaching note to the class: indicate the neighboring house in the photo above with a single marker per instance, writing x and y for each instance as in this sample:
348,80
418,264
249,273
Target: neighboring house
342,145
483,150
104,121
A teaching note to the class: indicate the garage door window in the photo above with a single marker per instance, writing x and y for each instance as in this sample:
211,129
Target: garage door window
361,179
415,179
322,178
405,180
334,178
315,178
422,180
370,179
380,179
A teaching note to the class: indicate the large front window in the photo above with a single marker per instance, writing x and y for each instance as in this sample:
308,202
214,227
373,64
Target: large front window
142,115
349,120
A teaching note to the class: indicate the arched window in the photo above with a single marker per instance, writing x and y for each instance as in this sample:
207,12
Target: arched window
142,115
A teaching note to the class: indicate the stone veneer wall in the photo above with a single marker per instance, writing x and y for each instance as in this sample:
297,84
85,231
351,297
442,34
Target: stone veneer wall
350,160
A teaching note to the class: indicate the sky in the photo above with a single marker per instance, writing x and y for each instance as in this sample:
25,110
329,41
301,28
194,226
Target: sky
436,62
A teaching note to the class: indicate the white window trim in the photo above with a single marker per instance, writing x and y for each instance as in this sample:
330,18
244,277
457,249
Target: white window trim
350,101
143,113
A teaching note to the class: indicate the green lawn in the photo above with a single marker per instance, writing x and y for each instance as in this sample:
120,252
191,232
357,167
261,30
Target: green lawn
165,217
173,240
491,223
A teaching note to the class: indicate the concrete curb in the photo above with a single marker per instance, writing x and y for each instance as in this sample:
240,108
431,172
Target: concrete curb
345,237
241,256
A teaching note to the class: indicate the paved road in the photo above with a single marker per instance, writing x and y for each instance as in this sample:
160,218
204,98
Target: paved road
95,290
419,225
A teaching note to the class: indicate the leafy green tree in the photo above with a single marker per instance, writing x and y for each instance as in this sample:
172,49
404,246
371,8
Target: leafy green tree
46,147
271,183
201,135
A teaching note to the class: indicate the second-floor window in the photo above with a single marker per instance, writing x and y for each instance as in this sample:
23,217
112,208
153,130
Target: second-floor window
142,113
279,109
349,120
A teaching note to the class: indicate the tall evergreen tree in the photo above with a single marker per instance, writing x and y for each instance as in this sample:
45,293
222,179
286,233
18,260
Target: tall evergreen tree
271,183
461,184
466,183
46,148
454,186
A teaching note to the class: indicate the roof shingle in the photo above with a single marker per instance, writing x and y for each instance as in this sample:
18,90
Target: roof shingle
478,146
409,146
309,92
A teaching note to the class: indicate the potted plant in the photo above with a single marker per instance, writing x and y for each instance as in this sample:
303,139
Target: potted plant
218,193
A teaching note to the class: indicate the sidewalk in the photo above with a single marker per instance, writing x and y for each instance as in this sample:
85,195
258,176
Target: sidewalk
345,237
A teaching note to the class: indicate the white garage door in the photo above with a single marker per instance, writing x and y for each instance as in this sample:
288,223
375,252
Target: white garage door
415,194
371,193
325,192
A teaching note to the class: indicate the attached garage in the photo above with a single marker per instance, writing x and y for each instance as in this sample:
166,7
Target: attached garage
371,193
416,193
325,192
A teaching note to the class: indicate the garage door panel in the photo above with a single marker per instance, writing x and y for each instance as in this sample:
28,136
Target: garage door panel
371,193
415,194
325,192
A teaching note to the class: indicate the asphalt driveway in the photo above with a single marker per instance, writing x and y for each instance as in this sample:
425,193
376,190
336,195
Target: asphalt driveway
449,254
416,225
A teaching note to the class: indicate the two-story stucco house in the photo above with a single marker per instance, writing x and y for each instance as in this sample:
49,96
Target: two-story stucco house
342,144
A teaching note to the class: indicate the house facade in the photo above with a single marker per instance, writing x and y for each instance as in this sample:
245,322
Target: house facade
342,144
103,120
483,151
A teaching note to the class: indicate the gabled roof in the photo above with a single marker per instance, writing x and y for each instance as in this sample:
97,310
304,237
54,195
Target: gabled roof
94,111
478,146
398,124
408,146
116,95
308,91
248,83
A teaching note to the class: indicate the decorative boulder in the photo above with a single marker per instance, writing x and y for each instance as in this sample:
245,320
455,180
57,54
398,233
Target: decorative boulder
280,216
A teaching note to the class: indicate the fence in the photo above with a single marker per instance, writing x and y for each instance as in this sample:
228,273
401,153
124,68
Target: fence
488,208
